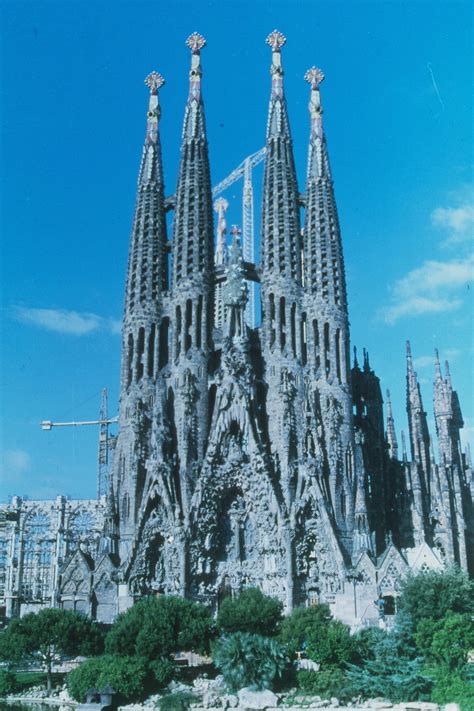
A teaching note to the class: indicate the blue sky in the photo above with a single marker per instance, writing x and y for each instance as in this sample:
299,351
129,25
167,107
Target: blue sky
398,117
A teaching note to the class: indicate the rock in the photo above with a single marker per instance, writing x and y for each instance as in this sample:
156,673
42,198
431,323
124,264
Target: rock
380,704
451,707
229,701
211,700
334,701
249,699
421,706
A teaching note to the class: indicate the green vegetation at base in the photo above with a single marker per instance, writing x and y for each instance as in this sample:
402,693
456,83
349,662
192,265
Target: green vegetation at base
424,657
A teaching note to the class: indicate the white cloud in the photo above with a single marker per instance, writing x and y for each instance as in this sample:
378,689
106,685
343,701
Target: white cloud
457,219
432,288
14,461
63,321
428,361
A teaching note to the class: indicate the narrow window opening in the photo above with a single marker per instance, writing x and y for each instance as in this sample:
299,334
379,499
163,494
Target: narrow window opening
189,322
140,350
317,358
272,320
338,354
151,351
177,341
164,346
304,339
327,361
293,329
199,323
282,323
130,360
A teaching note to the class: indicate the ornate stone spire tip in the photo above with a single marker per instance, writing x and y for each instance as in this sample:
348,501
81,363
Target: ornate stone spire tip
195,42
154,81
314,76
276,40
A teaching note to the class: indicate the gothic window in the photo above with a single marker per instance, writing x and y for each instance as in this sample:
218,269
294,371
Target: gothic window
130,359
189,321
164,344
327,361
140,350
199,323
304,340
338,354
293,329
272,319
282,323
317,359
28,570
151,351
177,340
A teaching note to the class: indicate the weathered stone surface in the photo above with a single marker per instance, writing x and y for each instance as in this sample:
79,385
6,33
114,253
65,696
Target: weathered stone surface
249,699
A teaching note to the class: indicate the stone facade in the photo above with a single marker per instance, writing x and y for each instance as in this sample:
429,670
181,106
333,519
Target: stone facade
259,456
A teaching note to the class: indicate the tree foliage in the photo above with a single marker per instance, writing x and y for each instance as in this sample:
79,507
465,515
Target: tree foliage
49,635
390,674
249,660
252,612
433,593
446,642
129,676
303,626
160,626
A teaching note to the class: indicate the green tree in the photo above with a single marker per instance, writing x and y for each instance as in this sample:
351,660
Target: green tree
50,635
304,624
432,594
390,674
158,627
249,660
252,612
446,642
129,676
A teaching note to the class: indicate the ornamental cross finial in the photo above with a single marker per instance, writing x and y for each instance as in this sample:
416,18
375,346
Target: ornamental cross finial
154,81
276,40
314,76
235,231
195,42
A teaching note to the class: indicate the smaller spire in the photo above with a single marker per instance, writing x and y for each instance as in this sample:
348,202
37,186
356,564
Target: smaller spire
391,432
220,206
448,374
315,76
404,448
356,363
195,42
276,40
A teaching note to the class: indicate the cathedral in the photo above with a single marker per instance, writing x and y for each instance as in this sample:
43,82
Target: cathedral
254,456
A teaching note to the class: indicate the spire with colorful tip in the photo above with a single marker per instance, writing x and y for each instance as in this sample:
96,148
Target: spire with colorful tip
391,433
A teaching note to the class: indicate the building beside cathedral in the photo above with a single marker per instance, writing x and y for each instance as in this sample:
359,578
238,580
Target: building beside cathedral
251,456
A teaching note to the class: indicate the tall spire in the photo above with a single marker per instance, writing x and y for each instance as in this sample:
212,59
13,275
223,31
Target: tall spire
281,252
193,232
324,264
147,266
417,422
391,433
447,412
220,206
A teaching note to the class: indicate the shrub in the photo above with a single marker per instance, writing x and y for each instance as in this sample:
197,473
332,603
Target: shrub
252,612
160,626
326,684
303,624
333,646
249,660
453,687
366,642
163,671
390,674
179,701
8,683
432,594
452,640
129,676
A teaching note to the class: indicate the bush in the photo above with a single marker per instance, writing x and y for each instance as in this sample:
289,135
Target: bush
448,641
8,683
432,594
326,684
129,676
304,624
162,671
249,660
333,647
453,687
158,627
390,674
252,612
366,642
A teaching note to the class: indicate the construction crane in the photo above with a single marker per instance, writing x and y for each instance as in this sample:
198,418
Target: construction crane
248,233
106,441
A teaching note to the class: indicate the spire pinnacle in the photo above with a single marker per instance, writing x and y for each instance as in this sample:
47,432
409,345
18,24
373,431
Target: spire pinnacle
195,42
276,41
315,76
220,206
153,81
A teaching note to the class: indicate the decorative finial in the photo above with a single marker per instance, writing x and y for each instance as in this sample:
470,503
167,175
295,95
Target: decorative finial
276,40
387,393
221,204
235,231
195,42
154,81
314,76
